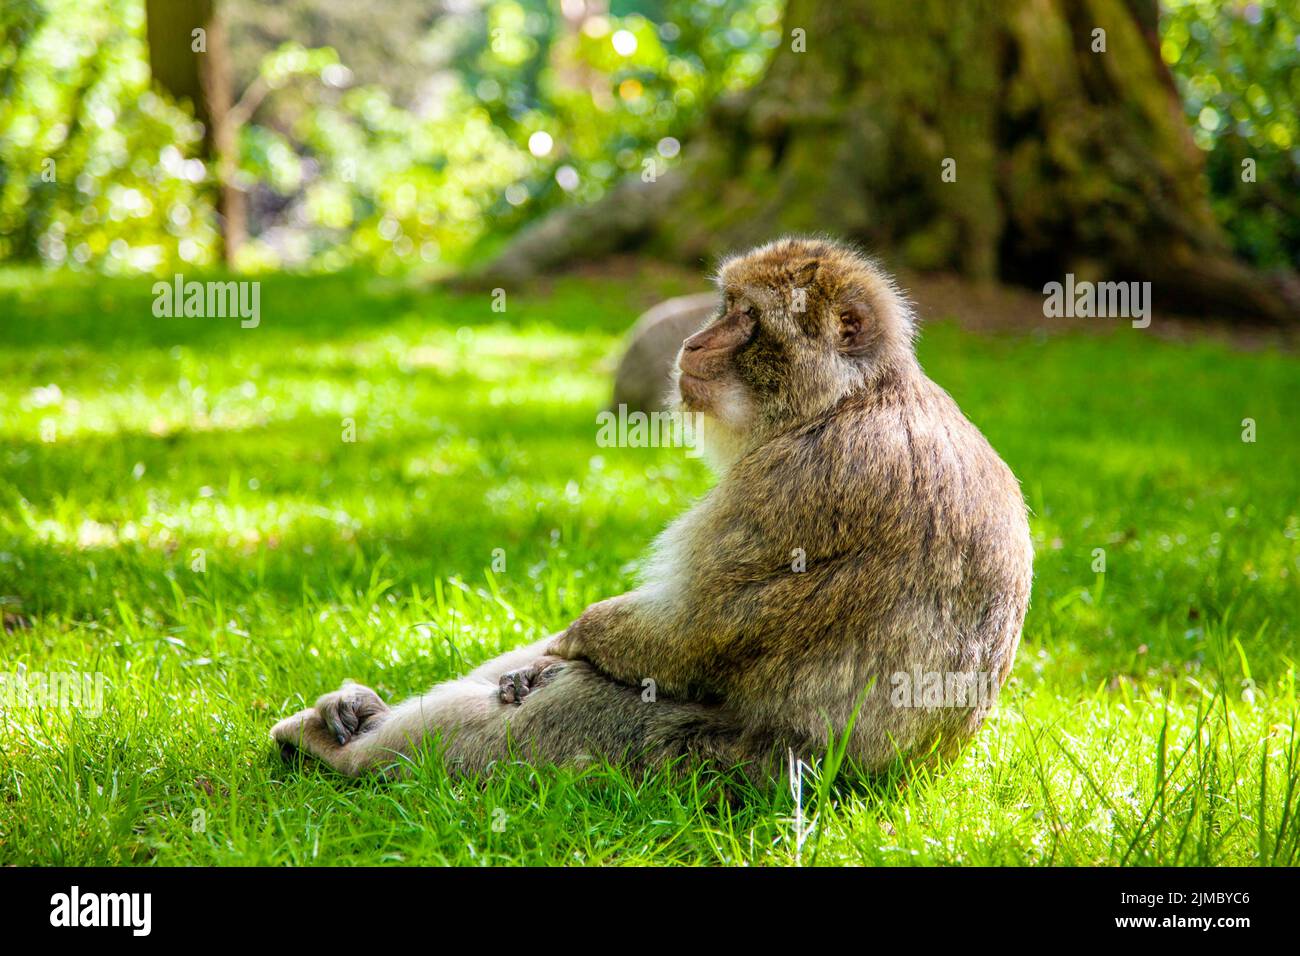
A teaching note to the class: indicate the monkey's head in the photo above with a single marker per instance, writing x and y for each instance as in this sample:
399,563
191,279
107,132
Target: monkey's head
802,324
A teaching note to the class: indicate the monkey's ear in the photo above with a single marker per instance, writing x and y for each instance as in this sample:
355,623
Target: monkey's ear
858,329
803,273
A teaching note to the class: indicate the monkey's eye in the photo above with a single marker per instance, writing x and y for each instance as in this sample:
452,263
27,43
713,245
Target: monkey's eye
751,311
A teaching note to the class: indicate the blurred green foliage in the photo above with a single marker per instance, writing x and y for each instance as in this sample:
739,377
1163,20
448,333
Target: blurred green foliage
599,97
1238,71
522,105
95,168
345,174
505,109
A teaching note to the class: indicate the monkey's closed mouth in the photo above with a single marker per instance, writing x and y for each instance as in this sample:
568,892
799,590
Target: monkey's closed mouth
695,390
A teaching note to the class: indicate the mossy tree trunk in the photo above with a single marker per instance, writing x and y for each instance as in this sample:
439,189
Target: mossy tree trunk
1062,155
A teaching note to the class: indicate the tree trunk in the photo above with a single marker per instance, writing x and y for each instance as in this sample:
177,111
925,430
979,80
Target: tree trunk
198,69
1059,157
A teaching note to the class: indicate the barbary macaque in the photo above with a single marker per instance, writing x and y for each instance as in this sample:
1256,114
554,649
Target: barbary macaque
861,529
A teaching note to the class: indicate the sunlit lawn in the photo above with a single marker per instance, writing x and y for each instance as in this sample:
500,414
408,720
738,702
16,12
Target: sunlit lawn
180,512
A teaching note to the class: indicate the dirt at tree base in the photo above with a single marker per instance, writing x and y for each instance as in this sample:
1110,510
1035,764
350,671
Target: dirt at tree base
982,307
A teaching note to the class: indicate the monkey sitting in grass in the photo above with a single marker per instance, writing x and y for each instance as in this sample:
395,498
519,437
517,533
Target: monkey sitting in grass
863,545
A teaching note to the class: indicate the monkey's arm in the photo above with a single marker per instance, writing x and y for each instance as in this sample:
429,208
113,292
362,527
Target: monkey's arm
737,600
635,637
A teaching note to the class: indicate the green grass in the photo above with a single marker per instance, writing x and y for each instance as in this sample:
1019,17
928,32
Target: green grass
1151,717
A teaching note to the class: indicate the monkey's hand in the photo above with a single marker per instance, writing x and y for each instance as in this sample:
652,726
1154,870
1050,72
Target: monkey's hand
566,644
615,637
581,637
515,685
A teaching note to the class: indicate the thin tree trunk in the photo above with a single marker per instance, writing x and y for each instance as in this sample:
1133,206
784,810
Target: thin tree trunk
198,69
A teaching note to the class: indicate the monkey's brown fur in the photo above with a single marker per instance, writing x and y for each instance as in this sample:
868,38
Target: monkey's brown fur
861,528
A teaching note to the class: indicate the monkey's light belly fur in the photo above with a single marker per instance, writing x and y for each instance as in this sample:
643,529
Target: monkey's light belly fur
863,562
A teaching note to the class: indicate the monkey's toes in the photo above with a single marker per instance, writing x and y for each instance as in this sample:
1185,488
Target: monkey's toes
351,710
515,685
512,688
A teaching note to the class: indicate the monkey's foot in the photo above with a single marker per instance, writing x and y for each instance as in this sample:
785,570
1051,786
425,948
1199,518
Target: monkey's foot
517,684
351,710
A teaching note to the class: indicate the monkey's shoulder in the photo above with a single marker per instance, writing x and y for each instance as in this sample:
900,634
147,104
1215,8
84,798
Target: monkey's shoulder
904,454
872,437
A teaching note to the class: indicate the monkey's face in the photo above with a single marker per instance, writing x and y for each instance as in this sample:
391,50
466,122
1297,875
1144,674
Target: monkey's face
802,323
708,368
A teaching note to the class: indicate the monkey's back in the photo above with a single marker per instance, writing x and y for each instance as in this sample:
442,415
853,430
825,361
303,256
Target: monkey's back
889,548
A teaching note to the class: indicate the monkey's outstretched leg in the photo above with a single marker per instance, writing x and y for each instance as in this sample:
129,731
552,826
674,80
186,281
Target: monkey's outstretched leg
326,729
466,713
574,715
